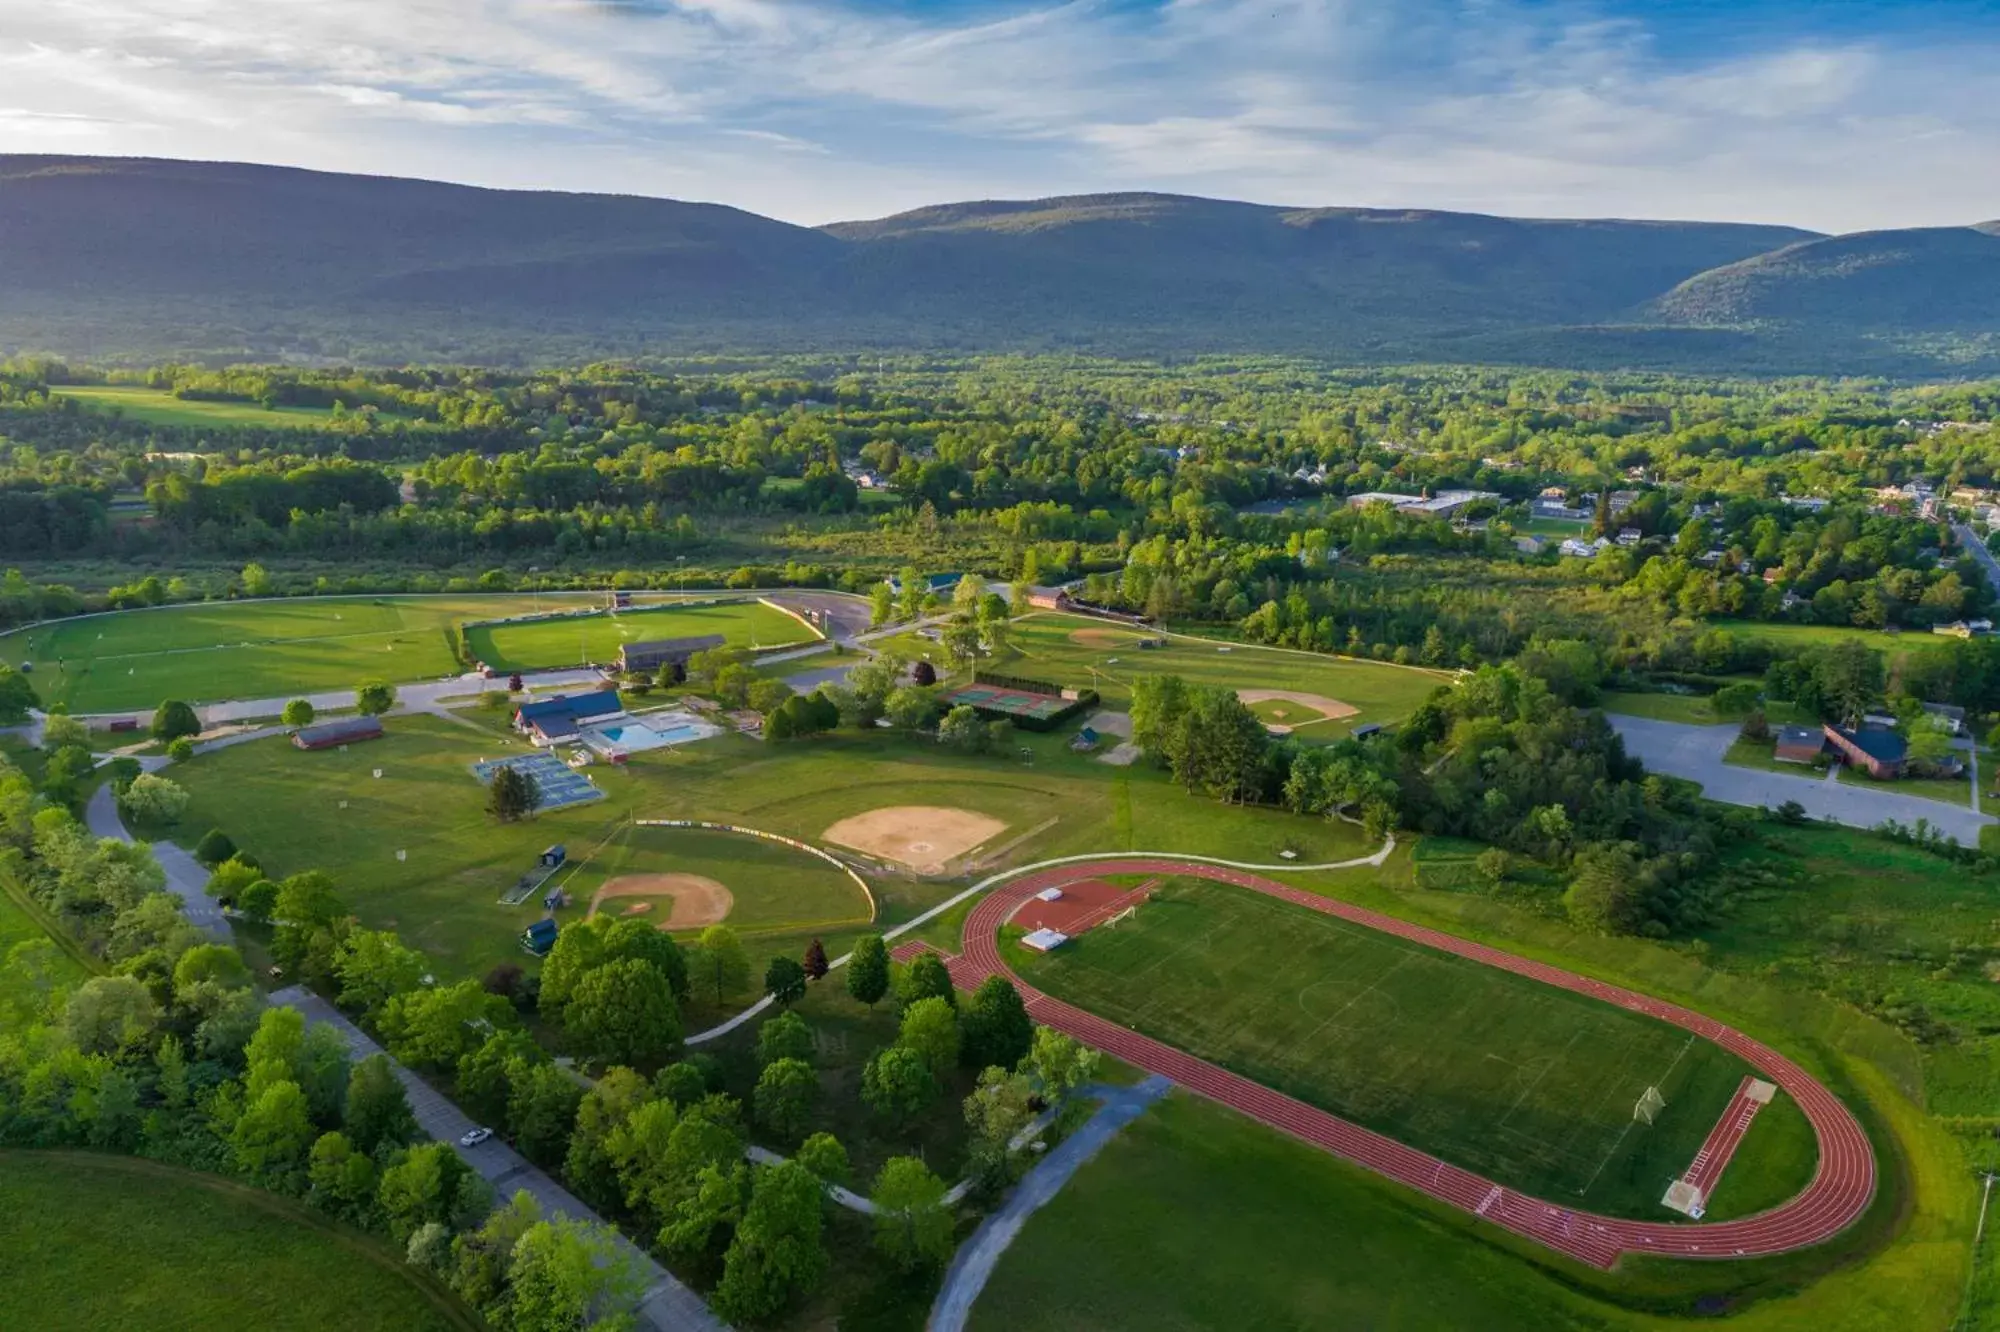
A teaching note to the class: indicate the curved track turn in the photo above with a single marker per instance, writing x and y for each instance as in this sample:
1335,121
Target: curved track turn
1840,1190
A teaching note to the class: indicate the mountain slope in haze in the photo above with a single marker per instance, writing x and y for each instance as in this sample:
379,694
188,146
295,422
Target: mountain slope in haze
138,259
1911,280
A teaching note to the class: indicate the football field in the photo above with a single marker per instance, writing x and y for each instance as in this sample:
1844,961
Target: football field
1528,1084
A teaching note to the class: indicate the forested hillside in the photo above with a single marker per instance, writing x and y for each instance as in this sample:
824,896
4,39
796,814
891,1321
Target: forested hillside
130,259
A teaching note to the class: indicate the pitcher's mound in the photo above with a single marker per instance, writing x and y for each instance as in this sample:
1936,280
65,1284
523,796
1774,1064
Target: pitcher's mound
693,901
1283,710
927,838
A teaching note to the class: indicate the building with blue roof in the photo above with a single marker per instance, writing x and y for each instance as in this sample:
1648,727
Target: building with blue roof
553,721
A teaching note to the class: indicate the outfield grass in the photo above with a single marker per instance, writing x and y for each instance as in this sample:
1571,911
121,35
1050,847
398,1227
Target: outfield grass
774,887
150,406
597,638
250,649
1528,1084
113,1242
1074,650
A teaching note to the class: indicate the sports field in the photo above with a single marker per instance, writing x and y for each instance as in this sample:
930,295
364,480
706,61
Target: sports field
212,651
150,406
1522,1082
115,1242
771,886
1075,650
597,638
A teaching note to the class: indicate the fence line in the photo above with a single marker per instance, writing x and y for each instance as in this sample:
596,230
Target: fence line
874,908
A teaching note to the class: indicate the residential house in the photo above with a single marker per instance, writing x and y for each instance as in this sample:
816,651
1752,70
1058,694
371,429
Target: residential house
1580,549
1630,536
1530,544
1952,717
1877,752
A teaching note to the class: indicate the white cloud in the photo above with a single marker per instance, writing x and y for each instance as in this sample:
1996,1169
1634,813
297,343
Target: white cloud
812,110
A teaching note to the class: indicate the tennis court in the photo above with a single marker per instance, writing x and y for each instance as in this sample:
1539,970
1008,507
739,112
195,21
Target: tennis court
1008,702
557,785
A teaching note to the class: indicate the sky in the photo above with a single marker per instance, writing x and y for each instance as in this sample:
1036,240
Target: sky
1837,115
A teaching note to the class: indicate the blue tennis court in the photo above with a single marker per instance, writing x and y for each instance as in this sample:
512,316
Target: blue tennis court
557,785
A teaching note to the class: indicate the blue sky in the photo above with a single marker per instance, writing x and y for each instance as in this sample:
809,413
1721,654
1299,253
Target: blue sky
1833,114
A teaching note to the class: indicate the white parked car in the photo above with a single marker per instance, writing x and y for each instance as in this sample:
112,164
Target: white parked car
474,1137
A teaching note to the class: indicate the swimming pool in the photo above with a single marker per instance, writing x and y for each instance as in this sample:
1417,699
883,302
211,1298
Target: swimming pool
635,735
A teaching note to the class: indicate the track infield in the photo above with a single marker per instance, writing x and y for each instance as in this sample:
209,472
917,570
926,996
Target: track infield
1838,1192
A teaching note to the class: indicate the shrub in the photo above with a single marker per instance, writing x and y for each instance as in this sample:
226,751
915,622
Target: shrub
214,847
174,719
181,750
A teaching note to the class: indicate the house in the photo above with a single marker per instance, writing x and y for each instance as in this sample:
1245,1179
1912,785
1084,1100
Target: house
540,937
1630,536
552,721
655,653
344,731
1792,601
1952,717
1799,744
1049,598
1578,548
1877,752
1530,544
1547,508
1810,503
1621,500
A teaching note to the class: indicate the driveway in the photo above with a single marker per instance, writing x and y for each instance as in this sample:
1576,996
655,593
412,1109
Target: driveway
667,1306
1695,752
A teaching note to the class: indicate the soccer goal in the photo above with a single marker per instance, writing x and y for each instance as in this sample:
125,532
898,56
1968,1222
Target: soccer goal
1649,1105
1126,914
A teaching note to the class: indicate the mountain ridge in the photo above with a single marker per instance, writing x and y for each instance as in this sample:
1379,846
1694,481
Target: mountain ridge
144,257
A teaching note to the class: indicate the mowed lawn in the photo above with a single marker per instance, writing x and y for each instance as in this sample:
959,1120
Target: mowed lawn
111,1242
1195,1217
597,638
1074,650
1528,1084
150,406
212,651
771,886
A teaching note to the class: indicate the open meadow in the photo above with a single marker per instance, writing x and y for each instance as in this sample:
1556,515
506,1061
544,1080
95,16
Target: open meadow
1530,1085
596,638
114,1242
1075,650
151,406
211,651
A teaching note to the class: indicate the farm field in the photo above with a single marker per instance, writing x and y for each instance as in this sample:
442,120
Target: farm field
111,1242
597,638
212,651
1077,650
150,406
1530,1085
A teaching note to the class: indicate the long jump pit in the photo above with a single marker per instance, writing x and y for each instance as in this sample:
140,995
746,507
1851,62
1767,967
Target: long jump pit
923,838
1285,710
693,900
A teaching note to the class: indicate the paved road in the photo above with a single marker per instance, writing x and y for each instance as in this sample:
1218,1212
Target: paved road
186,879
1976,546
668,1305
421,696
978,1256
1695,752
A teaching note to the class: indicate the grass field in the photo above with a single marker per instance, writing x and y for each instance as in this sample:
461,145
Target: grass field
597,638
17,926
1531,1085
149,406
1795,637
773,887
112,1242
252,649
1076,650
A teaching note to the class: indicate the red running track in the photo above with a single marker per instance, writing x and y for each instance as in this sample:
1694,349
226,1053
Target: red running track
1705,1171
1842,1184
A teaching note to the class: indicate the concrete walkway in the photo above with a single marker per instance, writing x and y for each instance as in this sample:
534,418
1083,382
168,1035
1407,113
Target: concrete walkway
667,1306
186,879
976,1258
1696,753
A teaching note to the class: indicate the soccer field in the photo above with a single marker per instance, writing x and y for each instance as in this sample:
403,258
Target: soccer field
597,638
212,651
1528,1084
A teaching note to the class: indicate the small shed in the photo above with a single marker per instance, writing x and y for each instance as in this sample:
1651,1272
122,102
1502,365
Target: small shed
554,856
1364,731
540,937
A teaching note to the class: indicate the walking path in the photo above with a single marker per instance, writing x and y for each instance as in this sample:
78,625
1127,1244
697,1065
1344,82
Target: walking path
975,1260
1696,753
667,1305
186,879
1838,1193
